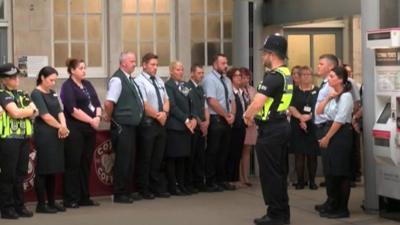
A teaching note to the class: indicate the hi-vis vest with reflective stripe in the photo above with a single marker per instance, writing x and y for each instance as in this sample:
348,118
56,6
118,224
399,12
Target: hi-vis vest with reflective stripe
264,113
15,128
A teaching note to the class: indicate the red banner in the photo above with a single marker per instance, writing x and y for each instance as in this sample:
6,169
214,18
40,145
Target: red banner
101,171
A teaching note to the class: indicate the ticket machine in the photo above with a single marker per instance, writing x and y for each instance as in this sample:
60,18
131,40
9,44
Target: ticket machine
386,129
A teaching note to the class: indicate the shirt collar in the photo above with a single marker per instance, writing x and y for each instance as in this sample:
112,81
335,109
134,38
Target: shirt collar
146,75
126,74
217,74
236,91
194,83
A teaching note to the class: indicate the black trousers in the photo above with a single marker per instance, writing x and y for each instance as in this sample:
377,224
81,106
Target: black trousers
151,152
235,153
123,140
219,136
175,171
356,156
45,184
320,132
79,147
340,189
195,163
272,157
14,159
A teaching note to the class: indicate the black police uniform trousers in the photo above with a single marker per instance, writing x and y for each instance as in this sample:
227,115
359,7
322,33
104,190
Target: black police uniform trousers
195,163
219,136
79,147
123,138
152,142
271,148
14,159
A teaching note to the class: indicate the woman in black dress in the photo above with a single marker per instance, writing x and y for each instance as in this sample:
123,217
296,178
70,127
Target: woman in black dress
304,142
50,129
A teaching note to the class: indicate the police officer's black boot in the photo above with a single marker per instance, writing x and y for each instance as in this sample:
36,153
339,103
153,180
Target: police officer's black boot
9,213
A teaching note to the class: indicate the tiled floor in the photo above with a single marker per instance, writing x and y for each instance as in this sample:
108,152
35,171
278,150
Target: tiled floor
231,208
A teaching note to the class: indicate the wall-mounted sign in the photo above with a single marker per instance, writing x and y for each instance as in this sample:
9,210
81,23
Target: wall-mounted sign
31,65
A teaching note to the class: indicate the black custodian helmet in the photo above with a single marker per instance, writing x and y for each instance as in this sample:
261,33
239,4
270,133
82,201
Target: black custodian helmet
276,44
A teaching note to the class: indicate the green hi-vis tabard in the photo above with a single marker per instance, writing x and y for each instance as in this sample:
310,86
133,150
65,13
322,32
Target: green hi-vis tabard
263,114
16,128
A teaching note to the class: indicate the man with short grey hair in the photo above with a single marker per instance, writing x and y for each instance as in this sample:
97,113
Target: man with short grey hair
124,108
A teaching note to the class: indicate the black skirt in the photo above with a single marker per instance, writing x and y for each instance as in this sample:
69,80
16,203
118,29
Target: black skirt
49,149
337,157
178,144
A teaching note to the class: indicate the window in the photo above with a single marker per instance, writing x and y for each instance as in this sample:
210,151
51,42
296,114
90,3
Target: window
211,22
4,33
2,8
146,27
78,32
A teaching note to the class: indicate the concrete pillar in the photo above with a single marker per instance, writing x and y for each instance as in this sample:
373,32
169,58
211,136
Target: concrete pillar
183,34
240,33
258,40
370,20
114,46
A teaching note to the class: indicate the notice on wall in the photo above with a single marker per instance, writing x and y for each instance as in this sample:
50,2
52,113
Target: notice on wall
31,65
387,79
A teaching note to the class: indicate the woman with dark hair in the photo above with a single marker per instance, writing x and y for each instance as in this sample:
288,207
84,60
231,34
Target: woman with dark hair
50,128
238,128
82,111
295,73
251,131
304,143
337,142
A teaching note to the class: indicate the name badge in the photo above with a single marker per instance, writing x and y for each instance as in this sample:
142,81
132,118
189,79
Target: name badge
91,107
307,109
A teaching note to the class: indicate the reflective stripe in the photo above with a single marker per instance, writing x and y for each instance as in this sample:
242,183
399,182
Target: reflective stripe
286,98
15,128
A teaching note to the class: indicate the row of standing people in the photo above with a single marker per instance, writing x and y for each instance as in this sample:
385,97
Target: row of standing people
171,122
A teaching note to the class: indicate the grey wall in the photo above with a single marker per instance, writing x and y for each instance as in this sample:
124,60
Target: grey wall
389,13
290,11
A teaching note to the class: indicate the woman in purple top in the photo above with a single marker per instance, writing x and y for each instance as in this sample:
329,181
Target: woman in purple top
82,111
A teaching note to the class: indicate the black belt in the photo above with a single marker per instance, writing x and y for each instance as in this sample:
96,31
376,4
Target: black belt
321,125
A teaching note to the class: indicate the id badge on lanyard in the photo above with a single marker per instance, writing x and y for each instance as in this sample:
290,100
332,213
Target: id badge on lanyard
307,109
91,107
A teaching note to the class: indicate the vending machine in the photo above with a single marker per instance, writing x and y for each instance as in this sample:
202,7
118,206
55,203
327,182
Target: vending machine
386,129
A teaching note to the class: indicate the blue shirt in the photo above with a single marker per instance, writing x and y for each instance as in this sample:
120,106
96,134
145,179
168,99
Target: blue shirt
148,91
322,94
213,88
340,111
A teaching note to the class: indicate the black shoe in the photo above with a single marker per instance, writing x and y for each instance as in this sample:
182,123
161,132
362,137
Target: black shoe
184,190
321,207
45,209
162,194
227,186
201,187
136,196
322,184
313,186
9,213
123,199
353,184
58,207
88,202
299,186
338,214
257,220
192,190
23,212
72,205
266,220
214,188
147,195
176,191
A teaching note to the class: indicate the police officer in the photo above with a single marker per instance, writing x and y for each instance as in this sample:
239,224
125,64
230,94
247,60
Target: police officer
124,108
270,104
15,130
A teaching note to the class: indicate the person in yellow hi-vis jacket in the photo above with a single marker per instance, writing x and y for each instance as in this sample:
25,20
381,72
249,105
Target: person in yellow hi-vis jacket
15,130
269,108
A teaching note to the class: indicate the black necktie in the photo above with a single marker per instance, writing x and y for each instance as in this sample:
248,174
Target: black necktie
322,84
160,104
226,94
